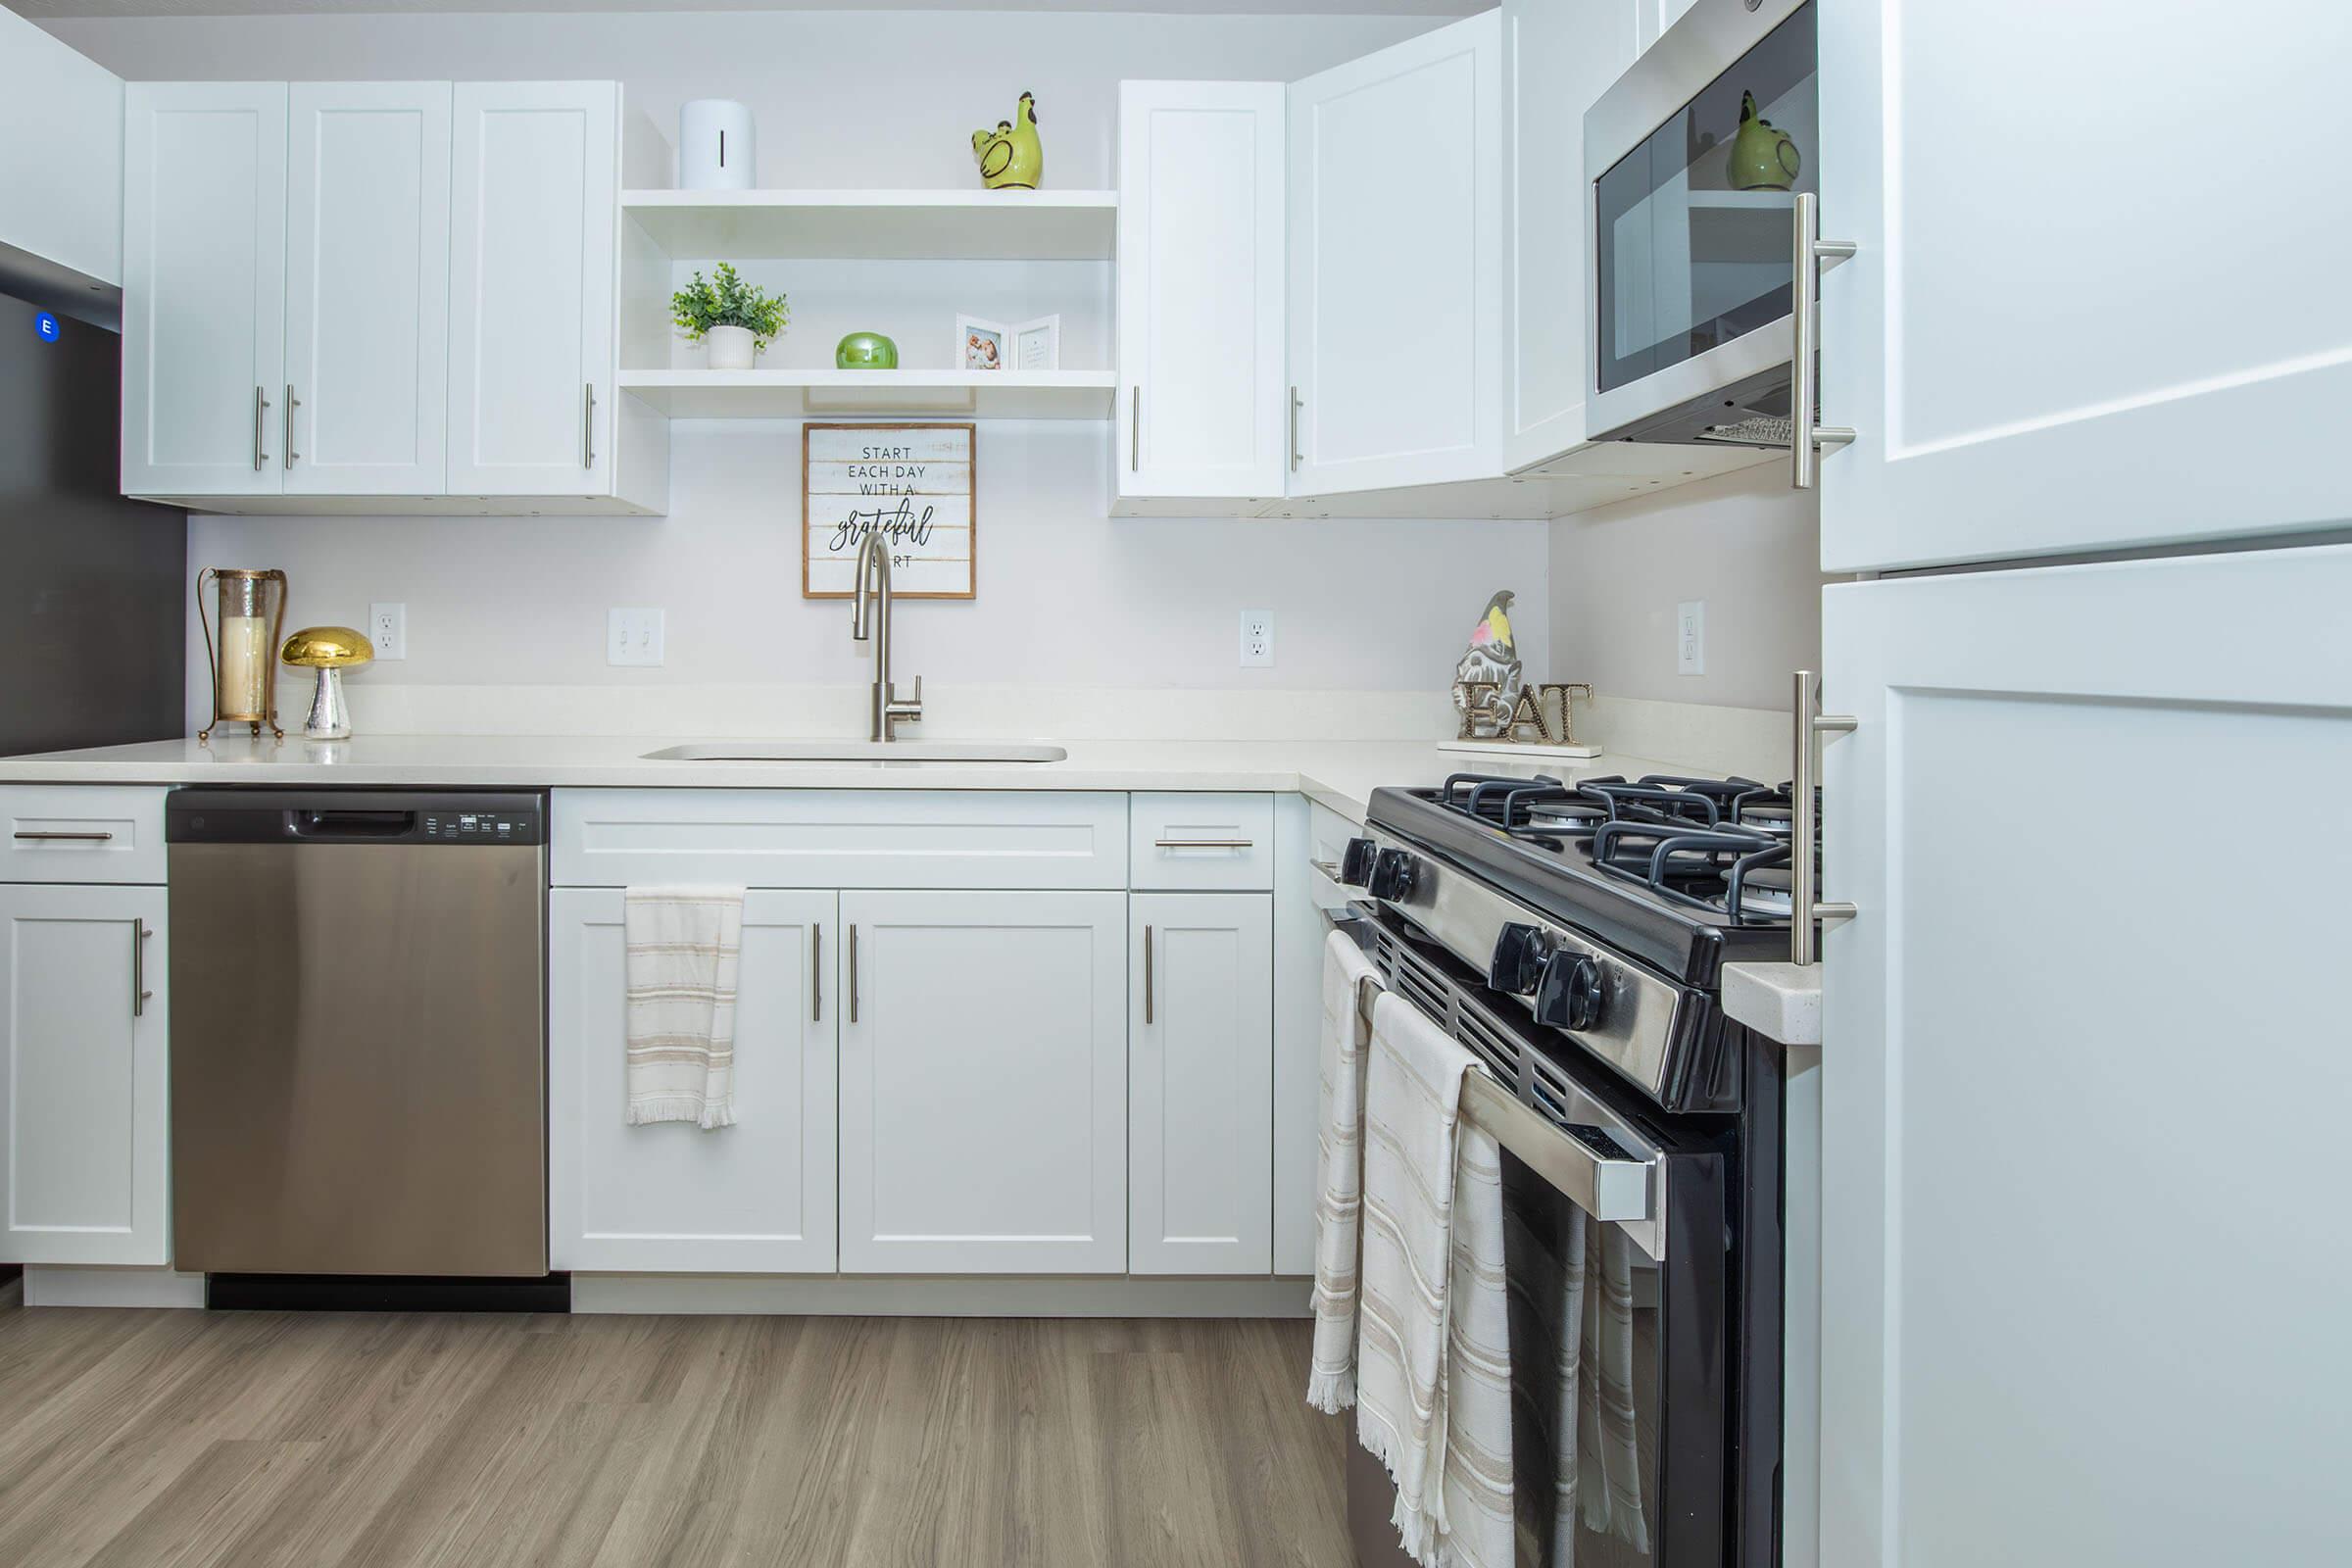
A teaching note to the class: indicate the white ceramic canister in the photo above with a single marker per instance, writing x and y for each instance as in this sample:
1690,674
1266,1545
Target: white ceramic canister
716,147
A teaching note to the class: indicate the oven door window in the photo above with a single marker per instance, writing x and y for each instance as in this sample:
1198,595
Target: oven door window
1691,228
1602,1339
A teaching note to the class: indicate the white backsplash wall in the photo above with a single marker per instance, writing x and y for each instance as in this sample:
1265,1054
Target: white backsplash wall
1745,542
1067,598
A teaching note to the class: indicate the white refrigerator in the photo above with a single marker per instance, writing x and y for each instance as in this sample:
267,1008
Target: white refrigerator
2087,1283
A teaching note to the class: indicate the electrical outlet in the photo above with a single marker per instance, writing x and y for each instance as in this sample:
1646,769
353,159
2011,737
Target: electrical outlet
1257,639
388,630
633,637
1691,637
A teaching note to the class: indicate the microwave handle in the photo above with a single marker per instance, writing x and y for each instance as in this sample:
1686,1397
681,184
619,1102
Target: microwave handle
1808,436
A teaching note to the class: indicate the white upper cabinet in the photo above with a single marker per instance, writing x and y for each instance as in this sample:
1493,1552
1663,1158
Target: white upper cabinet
65,204
532,276
669,1197
1559,58
204,288
84,1081
984,1083
2107,309
2085,1072
365,409
1203,408
1397,263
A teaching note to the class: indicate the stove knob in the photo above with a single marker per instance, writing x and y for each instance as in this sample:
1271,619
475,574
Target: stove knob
1356,862
1573,994
1518,962
1393,874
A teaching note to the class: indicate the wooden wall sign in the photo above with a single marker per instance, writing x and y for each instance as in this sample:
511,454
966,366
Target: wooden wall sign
912,482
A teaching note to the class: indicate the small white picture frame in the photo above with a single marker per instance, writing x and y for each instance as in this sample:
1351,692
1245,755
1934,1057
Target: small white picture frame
985,345
982,344
1037,345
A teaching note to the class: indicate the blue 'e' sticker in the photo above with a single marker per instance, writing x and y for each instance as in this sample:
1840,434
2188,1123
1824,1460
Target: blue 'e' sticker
44,326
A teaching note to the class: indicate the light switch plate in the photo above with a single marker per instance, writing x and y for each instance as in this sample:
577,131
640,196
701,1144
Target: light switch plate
1257,639
633,637
388,630
1691,637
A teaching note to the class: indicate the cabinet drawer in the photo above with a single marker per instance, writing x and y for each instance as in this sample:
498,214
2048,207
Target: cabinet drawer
1013,839
81,833
1191,842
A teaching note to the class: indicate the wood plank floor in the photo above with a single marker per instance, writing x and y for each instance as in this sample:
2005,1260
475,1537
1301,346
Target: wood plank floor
175,1439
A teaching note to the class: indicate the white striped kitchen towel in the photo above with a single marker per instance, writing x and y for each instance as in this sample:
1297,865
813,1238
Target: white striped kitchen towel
684,949
1412,1106
1339,1194
1480,1529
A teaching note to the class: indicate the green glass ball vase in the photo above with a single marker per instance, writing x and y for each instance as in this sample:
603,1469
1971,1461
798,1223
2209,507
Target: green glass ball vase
866,351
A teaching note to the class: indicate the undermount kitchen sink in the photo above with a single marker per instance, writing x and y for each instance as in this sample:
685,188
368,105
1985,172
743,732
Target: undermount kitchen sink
860,752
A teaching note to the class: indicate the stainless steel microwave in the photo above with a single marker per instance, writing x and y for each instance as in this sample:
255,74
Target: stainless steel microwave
1695,160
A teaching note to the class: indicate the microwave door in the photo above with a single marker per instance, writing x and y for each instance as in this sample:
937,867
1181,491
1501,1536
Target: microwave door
1694,160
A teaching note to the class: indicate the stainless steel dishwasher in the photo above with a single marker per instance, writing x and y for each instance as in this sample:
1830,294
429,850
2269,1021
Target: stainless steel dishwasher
358,1032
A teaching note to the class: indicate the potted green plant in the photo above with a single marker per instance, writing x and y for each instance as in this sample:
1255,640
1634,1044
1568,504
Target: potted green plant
738,320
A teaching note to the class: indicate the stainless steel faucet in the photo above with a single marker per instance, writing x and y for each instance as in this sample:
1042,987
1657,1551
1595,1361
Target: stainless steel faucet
870,611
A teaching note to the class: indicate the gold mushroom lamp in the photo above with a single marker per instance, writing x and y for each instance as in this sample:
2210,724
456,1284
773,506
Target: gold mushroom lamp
330,651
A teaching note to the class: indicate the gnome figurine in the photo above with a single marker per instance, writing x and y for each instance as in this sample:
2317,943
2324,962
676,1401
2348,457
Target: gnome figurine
1488,681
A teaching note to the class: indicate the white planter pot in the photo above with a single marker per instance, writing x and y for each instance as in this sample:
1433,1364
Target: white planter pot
730,347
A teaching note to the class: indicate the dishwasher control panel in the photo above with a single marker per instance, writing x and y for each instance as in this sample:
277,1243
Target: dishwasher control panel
483,827
462,818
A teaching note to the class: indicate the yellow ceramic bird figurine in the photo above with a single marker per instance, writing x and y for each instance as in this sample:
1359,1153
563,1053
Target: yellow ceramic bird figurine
1011,157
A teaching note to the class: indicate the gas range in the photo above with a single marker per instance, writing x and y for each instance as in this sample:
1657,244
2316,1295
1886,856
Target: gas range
1607,908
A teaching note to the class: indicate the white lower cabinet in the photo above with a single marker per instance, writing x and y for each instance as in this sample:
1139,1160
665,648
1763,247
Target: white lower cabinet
754,1197
984,1083
1200,1084
83,1075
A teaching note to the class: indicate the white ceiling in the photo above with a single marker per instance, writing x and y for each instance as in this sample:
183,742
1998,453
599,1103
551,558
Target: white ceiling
281,8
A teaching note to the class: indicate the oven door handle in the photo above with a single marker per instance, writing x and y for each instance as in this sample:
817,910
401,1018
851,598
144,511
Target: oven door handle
1608,1190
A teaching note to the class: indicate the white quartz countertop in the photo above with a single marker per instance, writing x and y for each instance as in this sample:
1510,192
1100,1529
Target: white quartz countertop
1340,774
1779,1001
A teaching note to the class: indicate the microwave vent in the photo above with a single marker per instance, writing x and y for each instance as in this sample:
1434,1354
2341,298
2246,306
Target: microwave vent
1756,430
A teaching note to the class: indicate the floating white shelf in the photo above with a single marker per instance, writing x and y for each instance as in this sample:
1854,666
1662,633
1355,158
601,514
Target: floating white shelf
980,225
827,394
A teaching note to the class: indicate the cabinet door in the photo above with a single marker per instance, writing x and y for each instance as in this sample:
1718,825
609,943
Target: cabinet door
1203,411
367,289
2084,1068
85,1139
756,1198
534,211
1557,59
2067,331
984,1083
1396,258
1200,1084
204,287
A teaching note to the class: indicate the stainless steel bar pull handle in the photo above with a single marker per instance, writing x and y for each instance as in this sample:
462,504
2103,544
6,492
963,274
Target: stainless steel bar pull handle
1808,912
261,414
1135,431
1146,974
1296,405
287,414
588,424
816,973
140,996
1204,844
1609,1190
852,974
1808,436
46,837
